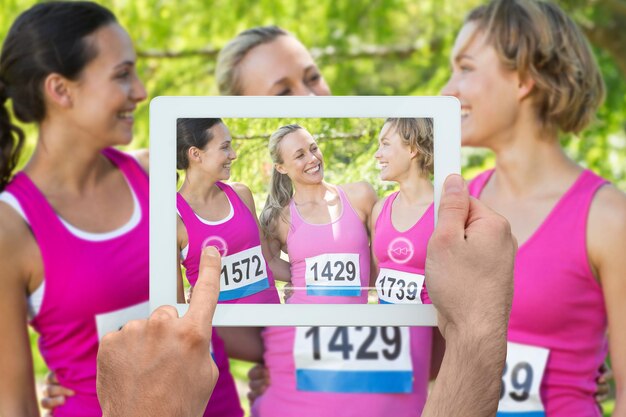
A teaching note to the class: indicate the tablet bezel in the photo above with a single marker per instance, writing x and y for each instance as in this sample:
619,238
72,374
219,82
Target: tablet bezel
164,111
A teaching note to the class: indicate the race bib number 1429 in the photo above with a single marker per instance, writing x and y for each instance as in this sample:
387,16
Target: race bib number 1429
353,359
333,274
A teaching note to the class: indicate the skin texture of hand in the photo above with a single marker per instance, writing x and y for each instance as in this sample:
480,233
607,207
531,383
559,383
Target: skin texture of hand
469,275
144,369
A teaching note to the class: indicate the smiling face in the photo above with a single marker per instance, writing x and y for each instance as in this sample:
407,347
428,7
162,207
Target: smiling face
393,156
216,157
108,89
488,92
280,67
302,159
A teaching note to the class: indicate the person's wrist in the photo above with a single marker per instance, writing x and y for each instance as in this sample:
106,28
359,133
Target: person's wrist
471,332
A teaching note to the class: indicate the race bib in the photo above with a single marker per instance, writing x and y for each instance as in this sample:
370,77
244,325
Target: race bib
353,359
397,287
243,274
523,373
114,320
333,274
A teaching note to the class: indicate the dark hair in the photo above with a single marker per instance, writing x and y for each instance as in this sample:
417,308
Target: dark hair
47,38
192,133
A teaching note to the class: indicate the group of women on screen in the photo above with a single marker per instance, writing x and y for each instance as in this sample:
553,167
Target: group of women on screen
74,235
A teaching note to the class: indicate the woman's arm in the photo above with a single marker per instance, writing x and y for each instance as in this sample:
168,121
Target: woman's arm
270,247
372,226
243,343
17,385
363,198
181,242
606,231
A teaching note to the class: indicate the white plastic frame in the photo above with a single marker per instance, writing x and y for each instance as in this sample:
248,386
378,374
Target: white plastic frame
164,111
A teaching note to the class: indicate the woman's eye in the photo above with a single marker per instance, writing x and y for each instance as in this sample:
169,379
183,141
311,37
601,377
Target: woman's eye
314,78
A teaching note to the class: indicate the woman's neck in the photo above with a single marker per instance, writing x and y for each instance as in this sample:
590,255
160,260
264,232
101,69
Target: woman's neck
309,193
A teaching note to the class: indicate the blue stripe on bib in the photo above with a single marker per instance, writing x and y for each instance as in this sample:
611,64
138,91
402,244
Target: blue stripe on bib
386,382
241,292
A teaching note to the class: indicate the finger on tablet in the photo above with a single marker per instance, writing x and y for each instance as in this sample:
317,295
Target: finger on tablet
453,207
207,289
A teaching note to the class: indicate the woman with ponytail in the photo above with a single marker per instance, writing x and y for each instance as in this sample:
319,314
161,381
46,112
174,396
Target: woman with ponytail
323,229
270,61
213,212
298,173
74,222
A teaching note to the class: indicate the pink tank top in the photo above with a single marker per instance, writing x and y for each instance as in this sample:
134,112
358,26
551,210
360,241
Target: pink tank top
360,382
117,278
370,371
83,279
558,309
402,257
246,277
330,263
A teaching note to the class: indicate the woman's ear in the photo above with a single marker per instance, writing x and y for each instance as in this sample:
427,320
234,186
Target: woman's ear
57,90
194,154
280,168
525,86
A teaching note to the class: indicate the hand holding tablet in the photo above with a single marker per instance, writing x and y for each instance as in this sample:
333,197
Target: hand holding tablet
270,113
144,369
139,366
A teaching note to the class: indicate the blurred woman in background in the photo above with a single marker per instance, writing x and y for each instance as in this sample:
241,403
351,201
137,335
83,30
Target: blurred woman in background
523,73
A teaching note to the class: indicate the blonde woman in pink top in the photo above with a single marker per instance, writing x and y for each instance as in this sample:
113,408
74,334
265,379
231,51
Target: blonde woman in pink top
323,229
523,73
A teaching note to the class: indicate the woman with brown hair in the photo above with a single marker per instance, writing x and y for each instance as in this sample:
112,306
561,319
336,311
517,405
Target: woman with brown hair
523,73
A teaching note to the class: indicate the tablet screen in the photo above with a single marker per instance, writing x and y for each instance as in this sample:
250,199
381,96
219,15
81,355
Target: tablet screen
290,203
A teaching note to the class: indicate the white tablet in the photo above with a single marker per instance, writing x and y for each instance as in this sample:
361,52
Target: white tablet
164,113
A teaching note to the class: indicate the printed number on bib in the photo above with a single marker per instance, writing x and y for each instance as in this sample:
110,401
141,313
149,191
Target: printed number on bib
521,380
353,359
333,274
115,320
243,274
398,287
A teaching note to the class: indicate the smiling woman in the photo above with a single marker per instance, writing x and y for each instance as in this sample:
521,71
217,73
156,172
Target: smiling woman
524,72
268,61
73,230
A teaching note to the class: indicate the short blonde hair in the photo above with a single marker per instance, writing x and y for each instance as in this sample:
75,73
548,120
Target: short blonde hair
418,134
226,70
537,39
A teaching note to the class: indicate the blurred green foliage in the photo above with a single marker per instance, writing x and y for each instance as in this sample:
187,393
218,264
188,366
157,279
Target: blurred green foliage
381,47
363,47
